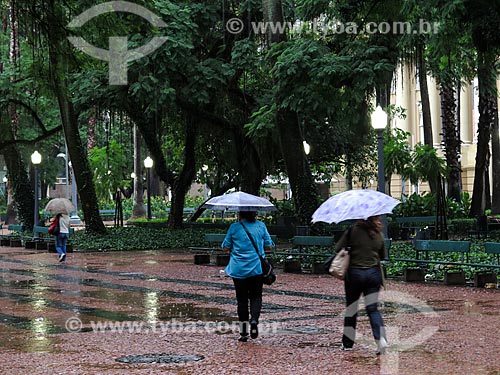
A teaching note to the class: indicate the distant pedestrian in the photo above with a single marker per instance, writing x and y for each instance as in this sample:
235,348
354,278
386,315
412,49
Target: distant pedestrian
245,269
364,277
62,237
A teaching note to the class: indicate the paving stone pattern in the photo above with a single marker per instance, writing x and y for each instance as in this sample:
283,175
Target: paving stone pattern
156,312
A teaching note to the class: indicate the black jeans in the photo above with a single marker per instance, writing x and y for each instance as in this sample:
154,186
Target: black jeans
249,289
366,282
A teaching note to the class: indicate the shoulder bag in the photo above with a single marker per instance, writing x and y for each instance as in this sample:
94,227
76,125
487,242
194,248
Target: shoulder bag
268,275
55,227
337,265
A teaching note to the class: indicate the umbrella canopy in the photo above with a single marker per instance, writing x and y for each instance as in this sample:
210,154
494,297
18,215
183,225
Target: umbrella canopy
354,204
60,206
239,201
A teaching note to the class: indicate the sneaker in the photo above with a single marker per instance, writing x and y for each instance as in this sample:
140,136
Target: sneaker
382,346
254,330
62,257
346,348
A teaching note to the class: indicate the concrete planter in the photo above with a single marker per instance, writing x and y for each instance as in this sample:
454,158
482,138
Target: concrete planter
222,259
454,278
413,275
292,266
16,243
483,278
202,259
317,268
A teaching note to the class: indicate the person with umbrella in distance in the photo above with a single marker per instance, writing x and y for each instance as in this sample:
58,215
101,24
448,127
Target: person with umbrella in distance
366,246
61,207
243,239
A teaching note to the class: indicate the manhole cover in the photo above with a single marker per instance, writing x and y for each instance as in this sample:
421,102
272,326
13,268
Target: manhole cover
160,358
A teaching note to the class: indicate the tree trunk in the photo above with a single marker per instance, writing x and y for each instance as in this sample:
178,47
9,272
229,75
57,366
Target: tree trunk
138,210
186,177
304,190
424,97
18,178
495,161
487,108
451,138
58,46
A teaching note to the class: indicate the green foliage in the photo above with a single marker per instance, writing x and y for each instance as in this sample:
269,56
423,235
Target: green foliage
109,167
425,205
130,238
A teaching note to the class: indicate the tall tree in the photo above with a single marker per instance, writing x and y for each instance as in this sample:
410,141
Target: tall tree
304,190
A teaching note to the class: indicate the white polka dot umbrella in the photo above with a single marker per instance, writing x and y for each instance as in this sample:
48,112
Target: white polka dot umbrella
354,204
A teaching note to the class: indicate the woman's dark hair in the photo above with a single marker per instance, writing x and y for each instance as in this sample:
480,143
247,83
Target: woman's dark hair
249,216
371,226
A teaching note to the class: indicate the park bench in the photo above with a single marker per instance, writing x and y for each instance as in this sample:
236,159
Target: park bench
493,248
449,247
214,241
107,214
42,240
413,223
301,252
14,238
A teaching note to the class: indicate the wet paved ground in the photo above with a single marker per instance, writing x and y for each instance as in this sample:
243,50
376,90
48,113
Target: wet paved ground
102,313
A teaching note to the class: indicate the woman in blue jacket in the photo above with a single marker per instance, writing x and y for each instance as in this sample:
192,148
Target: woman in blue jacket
245,270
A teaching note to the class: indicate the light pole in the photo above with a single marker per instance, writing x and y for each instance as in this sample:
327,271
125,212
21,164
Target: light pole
65,157
74,219
4,180
204,168
36,159
148,163
379,123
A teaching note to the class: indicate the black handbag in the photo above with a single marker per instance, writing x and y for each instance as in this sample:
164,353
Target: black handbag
268,275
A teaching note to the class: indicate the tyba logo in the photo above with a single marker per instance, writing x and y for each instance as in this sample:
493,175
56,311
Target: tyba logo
118,54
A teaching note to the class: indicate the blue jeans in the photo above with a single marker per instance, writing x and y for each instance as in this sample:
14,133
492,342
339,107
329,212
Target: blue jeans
366,282
61,240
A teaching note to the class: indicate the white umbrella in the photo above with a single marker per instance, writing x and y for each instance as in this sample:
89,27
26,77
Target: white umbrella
354,204
239,201
60,206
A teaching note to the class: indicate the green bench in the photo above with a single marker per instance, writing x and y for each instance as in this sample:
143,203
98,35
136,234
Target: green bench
443,246
14,238
107,214
214,241
413,223
42,240
493,248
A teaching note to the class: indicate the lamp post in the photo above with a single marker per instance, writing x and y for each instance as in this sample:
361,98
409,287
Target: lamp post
36,159
74,219
64,156
204,168
4,180
379,123
148,163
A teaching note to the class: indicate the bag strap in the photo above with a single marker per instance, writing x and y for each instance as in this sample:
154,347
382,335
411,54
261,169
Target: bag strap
348,239
251,238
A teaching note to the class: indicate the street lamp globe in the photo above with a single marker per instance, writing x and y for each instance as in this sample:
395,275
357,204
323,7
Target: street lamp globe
379,118
148,162
5,179
132,176
36,158
204,168
307,148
